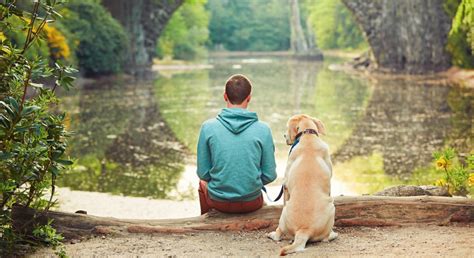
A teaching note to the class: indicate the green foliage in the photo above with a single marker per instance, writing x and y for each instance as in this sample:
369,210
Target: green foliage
457,176
48,235
32,137
255,25
187,32
16,34
334,26
102,42
451,7
461,36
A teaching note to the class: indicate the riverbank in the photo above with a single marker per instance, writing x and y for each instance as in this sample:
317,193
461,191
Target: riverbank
461,77
424,241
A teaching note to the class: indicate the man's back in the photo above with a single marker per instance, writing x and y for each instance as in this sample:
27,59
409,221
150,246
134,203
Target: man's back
235,155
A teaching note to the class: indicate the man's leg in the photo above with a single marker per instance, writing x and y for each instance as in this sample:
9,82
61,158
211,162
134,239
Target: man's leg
203,197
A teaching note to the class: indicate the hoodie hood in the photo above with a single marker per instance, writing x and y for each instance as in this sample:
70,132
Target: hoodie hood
236,120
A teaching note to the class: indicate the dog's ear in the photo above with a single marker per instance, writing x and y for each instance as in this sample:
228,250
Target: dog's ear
320,126
292,130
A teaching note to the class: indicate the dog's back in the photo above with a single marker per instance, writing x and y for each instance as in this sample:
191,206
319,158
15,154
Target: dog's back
309,211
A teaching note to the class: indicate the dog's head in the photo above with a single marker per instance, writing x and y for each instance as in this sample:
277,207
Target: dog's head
299,123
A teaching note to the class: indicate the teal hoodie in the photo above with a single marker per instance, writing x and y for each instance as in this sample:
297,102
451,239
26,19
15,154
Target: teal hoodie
235,155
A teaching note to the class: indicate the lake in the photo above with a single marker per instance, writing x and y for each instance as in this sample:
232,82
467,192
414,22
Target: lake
138,138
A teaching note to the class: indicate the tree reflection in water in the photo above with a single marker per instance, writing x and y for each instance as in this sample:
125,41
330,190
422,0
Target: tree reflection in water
403,124
122,144
133,138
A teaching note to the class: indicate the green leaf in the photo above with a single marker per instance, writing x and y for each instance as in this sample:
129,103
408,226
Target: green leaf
8,109
65,162
30,109
5,155
21,129
36,85
4,121
14,104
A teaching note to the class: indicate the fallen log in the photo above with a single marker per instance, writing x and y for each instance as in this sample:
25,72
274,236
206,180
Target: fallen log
350,211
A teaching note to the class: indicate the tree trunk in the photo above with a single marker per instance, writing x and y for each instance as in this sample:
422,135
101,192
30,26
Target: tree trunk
407,36
350,211
311,36
298,39
143,20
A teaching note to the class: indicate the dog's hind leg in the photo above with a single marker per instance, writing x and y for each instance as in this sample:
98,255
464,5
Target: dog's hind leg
298,245
281,229
332,235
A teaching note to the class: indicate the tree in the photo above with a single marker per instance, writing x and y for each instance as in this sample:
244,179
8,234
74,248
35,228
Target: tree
461,36
333,25
186,34
298,39
252,25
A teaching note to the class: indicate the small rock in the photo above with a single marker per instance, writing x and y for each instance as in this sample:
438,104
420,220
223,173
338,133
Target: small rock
81,212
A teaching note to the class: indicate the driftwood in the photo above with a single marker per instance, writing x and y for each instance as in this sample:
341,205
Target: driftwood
350,211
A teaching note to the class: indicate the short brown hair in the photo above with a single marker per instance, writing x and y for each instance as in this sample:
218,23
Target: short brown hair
237,88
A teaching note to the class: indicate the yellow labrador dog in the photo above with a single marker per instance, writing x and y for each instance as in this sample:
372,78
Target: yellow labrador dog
308,211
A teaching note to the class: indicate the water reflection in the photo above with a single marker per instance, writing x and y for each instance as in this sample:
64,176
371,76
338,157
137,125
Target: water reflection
122,144
134,138
403,124
281,88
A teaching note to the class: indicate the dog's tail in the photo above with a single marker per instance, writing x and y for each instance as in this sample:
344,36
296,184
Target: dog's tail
301,237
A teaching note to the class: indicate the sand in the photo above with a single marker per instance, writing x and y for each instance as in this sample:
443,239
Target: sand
419,241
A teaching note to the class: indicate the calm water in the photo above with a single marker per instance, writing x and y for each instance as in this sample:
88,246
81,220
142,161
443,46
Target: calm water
139,138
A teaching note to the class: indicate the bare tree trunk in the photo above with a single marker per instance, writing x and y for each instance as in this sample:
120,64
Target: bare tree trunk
311,36
298,39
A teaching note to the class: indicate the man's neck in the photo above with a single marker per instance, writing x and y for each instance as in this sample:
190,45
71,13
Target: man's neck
243,106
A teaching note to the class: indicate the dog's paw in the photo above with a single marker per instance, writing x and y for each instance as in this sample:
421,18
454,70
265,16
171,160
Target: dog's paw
274,236
333,235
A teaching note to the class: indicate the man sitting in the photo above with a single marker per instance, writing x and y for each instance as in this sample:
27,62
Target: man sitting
235,154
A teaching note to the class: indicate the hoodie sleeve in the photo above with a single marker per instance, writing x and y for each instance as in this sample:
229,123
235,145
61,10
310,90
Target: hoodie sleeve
203,157
268,159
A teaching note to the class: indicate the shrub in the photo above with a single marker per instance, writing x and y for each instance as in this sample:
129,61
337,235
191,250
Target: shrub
457,178
102,42
16,34
186,33
55,45
33,139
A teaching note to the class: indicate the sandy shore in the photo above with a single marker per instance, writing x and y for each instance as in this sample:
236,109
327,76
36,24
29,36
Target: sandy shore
127,207
422,241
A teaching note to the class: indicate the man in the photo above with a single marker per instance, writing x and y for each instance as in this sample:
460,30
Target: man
235,154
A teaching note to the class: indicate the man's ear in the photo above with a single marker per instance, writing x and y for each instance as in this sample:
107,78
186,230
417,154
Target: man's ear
248,98
226,99
320,126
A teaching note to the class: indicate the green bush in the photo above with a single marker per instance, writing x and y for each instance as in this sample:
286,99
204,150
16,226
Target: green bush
334,26
33,139
461,37
102,42
186,33
457,178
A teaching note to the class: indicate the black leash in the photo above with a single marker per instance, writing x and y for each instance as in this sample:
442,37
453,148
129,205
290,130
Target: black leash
279,195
